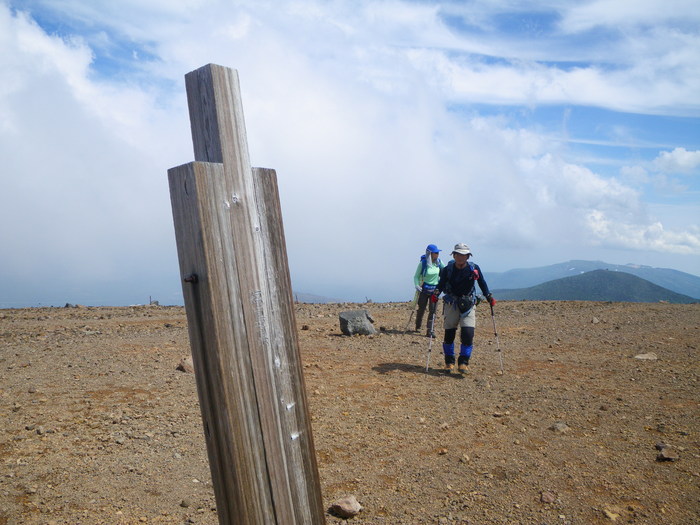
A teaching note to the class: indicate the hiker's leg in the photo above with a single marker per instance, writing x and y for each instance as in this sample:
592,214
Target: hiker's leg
467,326
422,302
466,346
432,307
448,343
466,335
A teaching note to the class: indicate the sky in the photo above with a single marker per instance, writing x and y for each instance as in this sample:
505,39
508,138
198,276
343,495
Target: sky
535,132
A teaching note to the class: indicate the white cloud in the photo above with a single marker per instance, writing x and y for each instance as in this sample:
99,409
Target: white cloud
653,237
84,170
635,175
635,88
352,104
679,160
583,16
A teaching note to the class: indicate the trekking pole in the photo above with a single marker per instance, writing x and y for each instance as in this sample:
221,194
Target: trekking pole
430,344
413,303
409,321
495,333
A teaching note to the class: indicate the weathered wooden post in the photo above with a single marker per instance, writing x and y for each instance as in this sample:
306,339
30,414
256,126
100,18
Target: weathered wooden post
240,316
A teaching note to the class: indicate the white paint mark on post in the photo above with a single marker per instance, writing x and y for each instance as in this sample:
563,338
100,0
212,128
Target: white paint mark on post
260,319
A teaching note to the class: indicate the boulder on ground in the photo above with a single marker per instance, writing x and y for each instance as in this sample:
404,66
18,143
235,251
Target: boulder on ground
346,507
356,322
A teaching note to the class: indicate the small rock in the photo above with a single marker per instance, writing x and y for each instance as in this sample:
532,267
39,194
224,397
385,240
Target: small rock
649,356
595,320
347,507
560,427
667,454
548,497
186,365
612,516
442,451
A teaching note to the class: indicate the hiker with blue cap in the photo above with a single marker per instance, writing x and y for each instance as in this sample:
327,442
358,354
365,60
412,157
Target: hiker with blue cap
425,279
458,280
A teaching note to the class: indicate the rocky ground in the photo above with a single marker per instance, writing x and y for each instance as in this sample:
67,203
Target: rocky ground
97,426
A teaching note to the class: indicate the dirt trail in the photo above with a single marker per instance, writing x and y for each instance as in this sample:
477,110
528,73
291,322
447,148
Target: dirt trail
98,426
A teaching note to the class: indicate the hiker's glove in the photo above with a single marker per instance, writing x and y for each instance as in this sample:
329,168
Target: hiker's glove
475,274
419,288
491,300
433,298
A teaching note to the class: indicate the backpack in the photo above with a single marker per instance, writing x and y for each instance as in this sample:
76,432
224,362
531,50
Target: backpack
424,263
464,303
450,267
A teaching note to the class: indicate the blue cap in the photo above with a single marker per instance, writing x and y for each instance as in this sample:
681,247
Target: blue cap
432,249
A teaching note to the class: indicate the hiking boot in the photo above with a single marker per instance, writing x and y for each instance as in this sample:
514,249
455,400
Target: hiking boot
430,334
463,368
449,368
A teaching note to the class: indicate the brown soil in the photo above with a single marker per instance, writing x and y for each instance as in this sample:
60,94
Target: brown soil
98,426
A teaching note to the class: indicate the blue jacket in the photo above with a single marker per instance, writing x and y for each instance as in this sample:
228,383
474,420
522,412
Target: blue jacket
458,282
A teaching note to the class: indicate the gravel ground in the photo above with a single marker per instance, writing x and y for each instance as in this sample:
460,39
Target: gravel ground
97,425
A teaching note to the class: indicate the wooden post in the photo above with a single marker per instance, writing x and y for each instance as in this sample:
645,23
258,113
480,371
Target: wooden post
240,317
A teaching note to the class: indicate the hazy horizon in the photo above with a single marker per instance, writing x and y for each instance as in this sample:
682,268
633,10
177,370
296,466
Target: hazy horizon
534,132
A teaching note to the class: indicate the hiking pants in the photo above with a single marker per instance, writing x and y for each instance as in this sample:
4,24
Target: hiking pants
423,301
453,317
466,324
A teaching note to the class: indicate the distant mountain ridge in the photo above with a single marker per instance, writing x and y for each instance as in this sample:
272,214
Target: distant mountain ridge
301,297
596,285
679,282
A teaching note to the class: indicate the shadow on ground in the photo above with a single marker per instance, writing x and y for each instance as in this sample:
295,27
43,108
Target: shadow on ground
385,368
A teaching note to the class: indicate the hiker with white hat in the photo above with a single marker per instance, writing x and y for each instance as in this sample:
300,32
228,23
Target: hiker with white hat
457,281
425,278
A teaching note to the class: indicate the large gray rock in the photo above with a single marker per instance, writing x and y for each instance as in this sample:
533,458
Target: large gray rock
356,322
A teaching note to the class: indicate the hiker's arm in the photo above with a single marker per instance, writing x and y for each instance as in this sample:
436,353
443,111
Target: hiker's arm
441,283
418,277
482,282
